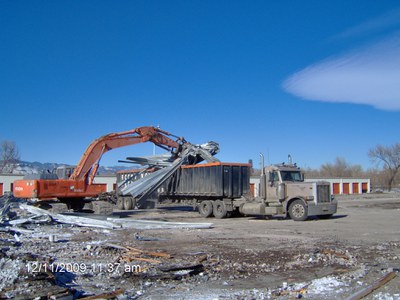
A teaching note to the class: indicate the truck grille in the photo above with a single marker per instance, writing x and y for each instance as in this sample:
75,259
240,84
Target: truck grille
323,194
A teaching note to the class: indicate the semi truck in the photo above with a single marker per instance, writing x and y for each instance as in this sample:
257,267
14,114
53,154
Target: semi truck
223,189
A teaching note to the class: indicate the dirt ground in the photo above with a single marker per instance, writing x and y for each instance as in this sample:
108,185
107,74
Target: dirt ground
238,258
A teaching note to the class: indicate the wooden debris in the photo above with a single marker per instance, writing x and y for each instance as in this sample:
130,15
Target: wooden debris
376,285
132,254
335,253
130,259
131,249
201,258
159,254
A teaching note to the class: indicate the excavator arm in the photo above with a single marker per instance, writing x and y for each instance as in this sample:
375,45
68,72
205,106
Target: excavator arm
90,160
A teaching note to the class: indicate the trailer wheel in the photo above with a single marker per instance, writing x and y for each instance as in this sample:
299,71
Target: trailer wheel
219,209
120,203
298,211
205,209
128,203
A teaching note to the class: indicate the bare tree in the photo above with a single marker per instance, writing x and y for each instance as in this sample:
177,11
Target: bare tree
341,168
390,157
338,169
312,173
9,155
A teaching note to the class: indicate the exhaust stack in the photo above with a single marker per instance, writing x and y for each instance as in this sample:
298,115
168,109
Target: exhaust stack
263,187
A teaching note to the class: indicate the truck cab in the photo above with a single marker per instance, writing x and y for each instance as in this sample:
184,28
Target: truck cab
284,191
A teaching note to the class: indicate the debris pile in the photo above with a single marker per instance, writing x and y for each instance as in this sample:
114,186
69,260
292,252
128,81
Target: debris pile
323,257
71,255
77,255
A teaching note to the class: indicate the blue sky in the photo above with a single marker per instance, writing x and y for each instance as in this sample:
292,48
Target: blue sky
316,79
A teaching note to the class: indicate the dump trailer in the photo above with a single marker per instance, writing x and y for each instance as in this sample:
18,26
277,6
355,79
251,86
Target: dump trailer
190,183
223,189
215,189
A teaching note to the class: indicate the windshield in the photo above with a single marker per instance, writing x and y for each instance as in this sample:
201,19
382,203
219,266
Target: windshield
291,176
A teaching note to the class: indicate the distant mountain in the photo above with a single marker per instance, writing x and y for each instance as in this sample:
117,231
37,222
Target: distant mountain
25,167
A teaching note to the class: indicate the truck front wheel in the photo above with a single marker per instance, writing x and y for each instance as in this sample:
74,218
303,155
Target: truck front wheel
298,211
219,209
205,209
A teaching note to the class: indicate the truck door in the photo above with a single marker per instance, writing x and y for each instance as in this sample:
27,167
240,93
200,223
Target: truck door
273,182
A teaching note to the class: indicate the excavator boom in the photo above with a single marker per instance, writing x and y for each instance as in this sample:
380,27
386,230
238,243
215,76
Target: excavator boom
89,162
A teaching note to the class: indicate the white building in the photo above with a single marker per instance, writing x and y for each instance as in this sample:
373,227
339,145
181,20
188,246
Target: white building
346,186
6,182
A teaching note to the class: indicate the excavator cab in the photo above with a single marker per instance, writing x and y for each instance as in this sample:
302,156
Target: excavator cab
64,172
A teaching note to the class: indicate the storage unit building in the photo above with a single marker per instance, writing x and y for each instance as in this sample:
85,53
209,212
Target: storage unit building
346,186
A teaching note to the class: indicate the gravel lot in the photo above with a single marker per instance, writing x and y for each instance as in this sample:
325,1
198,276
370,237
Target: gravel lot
239,258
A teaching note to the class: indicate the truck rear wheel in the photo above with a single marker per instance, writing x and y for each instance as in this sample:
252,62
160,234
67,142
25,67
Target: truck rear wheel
219,209
129,203
298,210
205,208
120,203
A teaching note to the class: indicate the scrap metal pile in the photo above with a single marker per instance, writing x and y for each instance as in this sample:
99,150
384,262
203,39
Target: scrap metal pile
163,167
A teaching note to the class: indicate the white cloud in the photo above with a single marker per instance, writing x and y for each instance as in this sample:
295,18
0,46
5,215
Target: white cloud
383,22
370,75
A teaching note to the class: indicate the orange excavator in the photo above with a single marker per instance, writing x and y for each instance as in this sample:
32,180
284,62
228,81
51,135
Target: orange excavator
72,185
